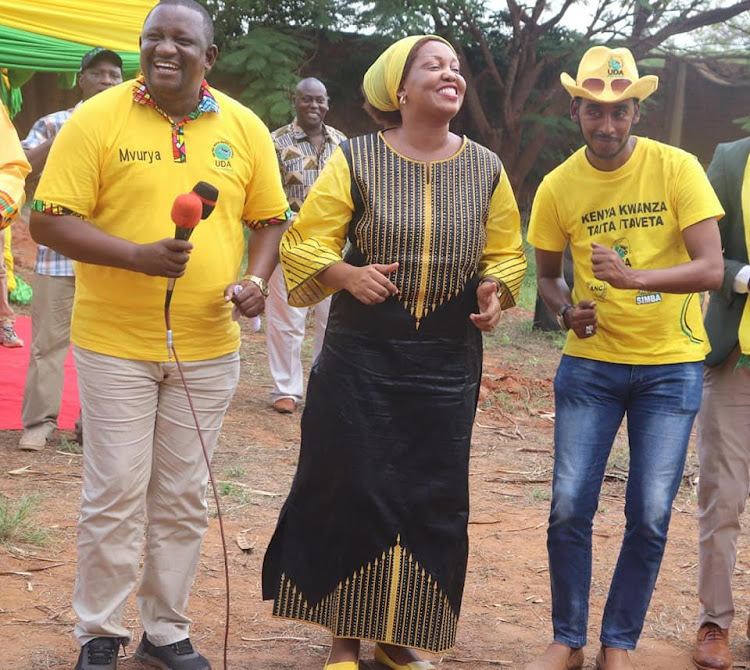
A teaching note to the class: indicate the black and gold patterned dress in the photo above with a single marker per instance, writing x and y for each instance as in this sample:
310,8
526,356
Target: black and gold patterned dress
372,540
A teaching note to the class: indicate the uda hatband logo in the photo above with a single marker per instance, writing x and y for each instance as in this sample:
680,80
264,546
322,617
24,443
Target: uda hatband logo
614,66
223,154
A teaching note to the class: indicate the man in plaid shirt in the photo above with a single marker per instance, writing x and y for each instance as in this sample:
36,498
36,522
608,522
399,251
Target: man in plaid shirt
54,283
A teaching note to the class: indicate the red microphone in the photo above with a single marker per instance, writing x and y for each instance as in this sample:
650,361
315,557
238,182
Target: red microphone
186,214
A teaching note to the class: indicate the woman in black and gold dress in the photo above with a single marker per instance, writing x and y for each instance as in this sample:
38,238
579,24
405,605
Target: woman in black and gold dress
372,541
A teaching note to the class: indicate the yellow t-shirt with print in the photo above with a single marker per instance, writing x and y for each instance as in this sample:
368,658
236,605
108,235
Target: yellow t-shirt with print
115,164
639,210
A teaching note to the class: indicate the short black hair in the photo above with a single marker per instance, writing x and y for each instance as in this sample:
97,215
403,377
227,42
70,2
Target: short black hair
385,119
208,22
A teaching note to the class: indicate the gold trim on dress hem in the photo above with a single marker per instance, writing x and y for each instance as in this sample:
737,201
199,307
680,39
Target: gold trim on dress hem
391,600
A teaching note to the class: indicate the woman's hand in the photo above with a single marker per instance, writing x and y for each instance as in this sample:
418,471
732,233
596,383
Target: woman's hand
370,284
489,306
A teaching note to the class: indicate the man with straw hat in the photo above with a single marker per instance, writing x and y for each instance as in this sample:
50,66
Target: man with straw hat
641,221
724,419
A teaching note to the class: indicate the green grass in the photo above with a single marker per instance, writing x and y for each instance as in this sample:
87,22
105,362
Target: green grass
235,472
527,295
539,494
233,492
16,525
70,446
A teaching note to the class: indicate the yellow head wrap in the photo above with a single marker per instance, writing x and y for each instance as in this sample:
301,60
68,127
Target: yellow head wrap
383,78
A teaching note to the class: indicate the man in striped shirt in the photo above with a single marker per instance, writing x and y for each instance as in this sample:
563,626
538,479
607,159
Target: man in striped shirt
302,147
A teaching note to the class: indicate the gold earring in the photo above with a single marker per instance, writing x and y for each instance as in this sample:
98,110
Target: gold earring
402,99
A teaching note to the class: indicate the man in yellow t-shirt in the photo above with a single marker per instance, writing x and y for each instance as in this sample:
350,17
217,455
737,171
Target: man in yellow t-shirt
641,221
104,200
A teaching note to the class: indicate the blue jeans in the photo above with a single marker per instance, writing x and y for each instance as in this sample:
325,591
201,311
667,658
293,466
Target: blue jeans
591,398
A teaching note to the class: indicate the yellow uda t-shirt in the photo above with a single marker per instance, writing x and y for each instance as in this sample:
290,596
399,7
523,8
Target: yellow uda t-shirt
639,210
113,164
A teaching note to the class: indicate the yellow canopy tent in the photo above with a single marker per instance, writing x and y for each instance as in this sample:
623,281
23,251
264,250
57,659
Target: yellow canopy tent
53,35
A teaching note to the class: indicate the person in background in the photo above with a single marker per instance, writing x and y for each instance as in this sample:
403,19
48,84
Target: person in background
724,417
372,541
302,147
104,200
13,170
54,281
640,219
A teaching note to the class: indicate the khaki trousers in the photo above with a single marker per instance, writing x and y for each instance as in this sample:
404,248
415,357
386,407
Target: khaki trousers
144,469
50,338
724,484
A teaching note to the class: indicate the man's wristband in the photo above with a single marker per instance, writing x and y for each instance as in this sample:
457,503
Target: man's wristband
561,316
261,283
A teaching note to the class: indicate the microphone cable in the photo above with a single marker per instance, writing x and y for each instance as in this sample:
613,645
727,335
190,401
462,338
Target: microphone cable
186,214
173,352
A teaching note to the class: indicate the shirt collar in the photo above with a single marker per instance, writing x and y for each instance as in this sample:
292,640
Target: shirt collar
207,102
300,134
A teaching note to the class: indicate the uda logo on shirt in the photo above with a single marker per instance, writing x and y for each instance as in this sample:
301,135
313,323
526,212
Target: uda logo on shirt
223,154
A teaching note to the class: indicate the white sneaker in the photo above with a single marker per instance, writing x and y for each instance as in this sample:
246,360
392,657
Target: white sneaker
35,439
9,338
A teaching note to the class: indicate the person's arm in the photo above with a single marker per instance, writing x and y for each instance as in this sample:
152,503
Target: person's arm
37,156
80,240
262,259
503,262
703,272
314,242
13,170
554,291
731,226
369,284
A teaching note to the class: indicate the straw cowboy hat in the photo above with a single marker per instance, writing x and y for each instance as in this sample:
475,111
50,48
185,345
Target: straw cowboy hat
609,75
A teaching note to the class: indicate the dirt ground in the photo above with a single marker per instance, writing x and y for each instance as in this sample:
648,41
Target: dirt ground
505,615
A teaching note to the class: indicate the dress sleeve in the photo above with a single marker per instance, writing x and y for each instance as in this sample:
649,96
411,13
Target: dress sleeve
318,235
13,170
503,258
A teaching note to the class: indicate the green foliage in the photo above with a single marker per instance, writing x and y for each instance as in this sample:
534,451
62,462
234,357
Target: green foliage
398,18
234,18
16,526
265,63
743,122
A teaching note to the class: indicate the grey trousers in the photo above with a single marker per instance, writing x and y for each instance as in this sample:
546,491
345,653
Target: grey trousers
724,484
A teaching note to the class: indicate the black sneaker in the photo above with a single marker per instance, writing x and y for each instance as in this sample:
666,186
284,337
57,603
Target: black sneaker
99,654
177,656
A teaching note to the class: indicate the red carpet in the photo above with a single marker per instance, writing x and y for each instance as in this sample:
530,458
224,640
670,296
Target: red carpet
13,364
